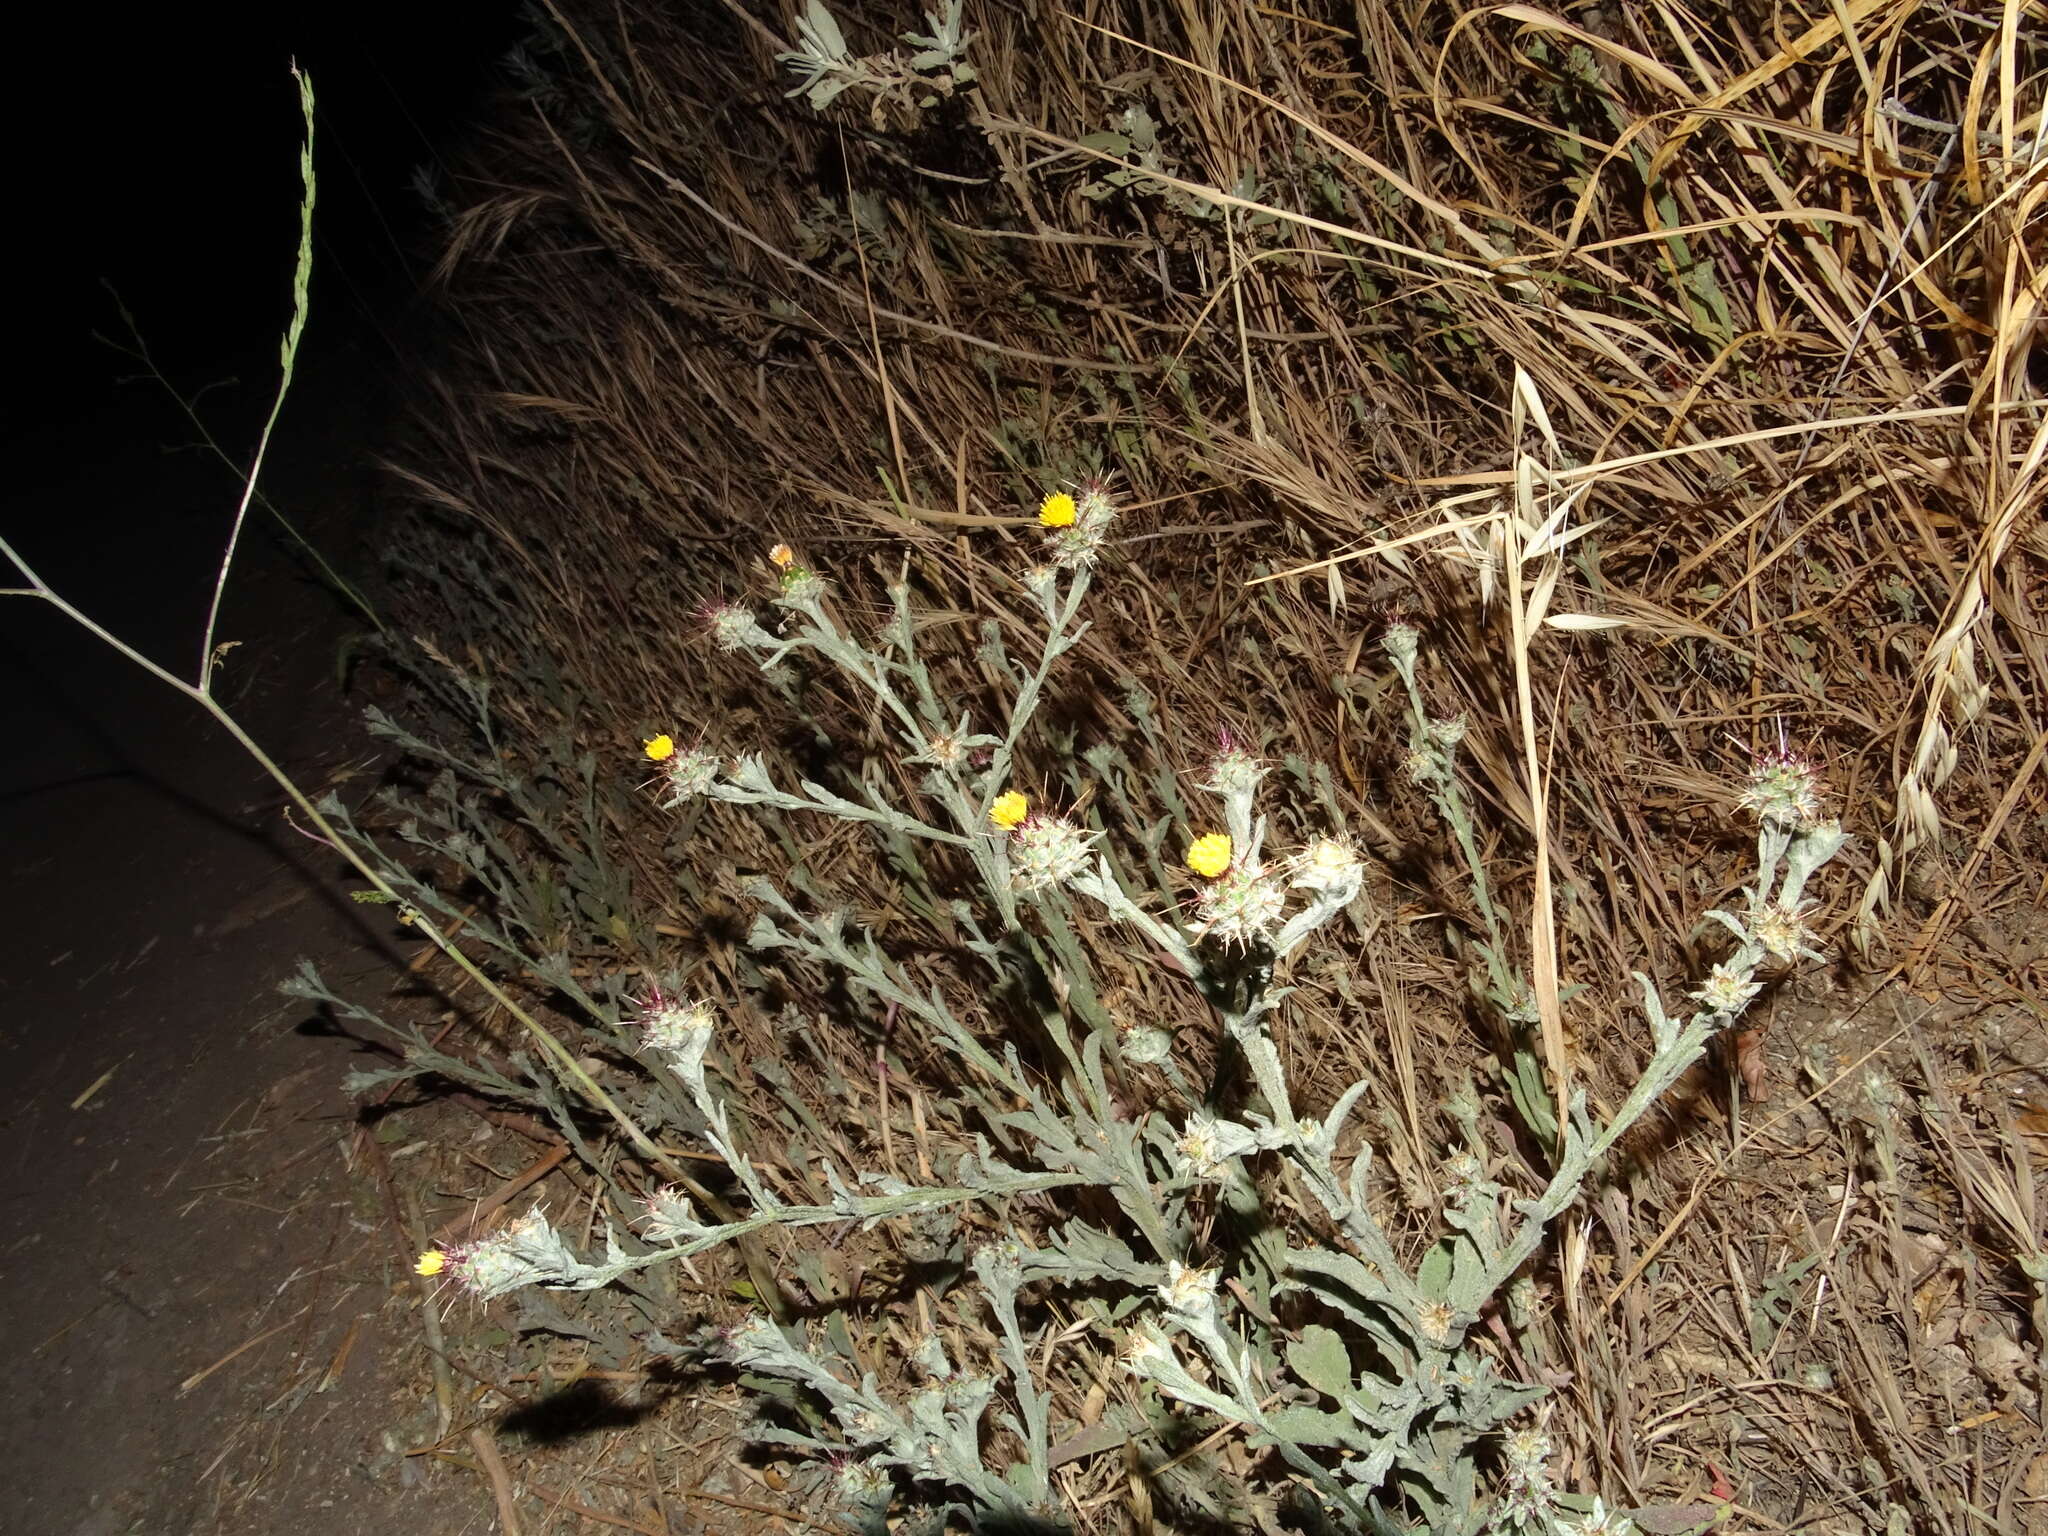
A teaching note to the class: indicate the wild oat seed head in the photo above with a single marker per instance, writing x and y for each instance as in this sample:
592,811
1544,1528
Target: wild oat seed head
1009,810
1209,854
1057,511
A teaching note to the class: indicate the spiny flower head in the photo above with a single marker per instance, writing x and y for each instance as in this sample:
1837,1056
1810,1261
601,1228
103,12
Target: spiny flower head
514,1255
734,628
1209,854
1192,1291
1528,1497
1076,526
862,1425
1143,1348
1882,1092
687,774
754,1340
1402,642
1528,1450
1782,932
1046,851
1057,511
1233,770
1463,1173
1242,906
670,1216
1327,864
1435,1319
659,749
1784,787
1598,1521
1198,1149
862,1482
800,585
674,1024
1446,731
1726,990
1009,809
1421,766
1094,499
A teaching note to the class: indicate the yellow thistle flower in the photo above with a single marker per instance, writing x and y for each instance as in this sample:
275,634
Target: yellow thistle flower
431,1263
1009,810
1057,510
660,748
781,556
1209,854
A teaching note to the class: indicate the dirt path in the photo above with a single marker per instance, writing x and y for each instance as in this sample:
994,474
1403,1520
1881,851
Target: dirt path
210,1323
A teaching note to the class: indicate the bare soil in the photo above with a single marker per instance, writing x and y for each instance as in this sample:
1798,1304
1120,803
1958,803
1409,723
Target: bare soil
203,1296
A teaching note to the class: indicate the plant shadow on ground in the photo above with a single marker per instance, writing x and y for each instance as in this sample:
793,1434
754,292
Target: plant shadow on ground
582,1408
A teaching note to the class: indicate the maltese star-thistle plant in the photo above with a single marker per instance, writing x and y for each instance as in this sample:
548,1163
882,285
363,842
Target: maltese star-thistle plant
1378,1386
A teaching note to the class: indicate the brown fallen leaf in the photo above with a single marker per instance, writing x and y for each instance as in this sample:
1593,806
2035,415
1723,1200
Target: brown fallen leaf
1748,1048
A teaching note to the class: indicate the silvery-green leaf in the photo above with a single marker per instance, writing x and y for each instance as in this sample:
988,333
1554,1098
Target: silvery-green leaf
1319,1358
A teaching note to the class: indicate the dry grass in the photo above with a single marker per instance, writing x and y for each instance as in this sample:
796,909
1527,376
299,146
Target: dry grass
1773,279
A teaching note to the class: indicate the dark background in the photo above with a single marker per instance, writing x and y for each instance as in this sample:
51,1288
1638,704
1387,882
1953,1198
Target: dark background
153,892
158,152
157,159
